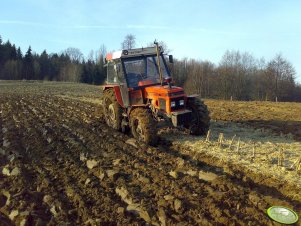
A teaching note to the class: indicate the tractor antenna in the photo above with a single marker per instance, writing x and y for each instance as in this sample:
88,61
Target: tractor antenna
158,61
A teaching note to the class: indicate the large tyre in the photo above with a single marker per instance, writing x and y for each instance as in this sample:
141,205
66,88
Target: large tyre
143,126
112,110
200,122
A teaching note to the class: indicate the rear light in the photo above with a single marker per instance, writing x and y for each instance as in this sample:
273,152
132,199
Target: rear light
181,102
173,104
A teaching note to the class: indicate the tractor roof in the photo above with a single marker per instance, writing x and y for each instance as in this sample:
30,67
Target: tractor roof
127,53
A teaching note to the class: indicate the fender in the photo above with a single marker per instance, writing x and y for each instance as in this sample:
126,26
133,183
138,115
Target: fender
116,91
192,96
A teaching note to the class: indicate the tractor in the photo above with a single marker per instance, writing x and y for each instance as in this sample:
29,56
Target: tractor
139,94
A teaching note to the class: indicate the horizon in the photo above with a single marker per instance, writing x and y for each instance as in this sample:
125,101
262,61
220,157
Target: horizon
262,29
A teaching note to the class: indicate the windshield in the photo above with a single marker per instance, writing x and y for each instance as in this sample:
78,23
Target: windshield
144,71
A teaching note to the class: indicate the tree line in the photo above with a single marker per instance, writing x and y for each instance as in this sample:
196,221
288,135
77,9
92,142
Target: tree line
238,75
69,65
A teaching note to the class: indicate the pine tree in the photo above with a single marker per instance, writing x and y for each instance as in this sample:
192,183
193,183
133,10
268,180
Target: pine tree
19,54
45,65
54,67
85,74
28,65
1,52
13,53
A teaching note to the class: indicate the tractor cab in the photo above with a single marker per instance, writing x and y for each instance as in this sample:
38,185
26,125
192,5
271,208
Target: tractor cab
133,70
144,70
136,68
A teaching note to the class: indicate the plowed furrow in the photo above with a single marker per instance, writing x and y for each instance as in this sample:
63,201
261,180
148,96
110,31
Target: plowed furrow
150,170
89,201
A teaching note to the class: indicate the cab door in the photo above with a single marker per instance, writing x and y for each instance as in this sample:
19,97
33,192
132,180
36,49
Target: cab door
122,84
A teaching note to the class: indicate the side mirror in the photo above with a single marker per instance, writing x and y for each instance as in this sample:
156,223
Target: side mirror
170,58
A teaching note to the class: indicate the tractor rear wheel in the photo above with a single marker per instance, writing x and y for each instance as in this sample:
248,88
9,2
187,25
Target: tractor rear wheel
143,126
112,110
200,122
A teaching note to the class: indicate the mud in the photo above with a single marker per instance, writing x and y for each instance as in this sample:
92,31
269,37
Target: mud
61,165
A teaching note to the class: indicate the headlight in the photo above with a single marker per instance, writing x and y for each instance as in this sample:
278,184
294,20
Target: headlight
181,102
173,104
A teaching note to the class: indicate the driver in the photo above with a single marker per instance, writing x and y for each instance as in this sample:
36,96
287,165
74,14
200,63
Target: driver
134,78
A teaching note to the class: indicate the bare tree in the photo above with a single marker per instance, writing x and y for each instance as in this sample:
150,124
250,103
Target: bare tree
259,81
162,44
91,56
180,71
129,42
98,55
236,70
70,72
102,53
198,80
282,74
12,69
75,54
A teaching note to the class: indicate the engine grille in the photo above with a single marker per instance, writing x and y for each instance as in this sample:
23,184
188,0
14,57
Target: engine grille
162,104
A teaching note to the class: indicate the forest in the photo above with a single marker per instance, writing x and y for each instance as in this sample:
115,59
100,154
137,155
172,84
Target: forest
238,75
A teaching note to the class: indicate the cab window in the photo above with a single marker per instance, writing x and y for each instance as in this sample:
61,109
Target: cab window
112,75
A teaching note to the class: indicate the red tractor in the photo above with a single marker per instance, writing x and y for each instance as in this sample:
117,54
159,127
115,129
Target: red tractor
139,94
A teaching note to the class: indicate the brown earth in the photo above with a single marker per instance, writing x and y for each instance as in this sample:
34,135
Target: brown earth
60,164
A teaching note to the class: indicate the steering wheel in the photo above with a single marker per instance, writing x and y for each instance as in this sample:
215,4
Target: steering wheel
140,76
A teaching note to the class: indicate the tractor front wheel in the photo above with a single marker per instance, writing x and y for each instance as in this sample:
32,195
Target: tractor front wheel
112,110
143,126
199,125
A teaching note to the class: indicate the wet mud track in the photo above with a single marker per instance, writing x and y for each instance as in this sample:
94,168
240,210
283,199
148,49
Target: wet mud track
60,164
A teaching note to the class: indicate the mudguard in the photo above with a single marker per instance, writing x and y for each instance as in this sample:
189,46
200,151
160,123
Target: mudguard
192,96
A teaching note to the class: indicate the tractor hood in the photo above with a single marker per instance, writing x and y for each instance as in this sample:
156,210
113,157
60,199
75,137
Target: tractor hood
163,91
166,99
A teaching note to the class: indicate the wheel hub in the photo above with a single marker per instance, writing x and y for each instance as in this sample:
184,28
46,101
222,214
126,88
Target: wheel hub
111,114
139,131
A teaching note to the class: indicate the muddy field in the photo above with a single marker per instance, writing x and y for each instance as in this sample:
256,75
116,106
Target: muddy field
61,165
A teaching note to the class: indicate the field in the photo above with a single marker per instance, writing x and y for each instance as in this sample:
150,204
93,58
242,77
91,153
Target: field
281,118
61,165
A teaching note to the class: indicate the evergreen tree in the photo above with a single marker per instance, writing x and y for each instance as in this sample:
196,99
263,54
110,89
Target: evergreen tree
6,51
13,53
85,73
45,65
28,65
54,67
19,54
100,74
1,52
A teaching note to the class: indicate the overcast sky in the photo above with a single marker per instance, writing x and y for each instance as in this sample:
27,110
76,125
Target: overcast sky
193,28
